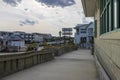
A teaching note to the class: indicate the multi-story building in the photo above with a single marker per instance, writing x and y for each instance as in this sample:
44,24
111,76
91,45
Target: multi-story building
1,43
47,36
37,37
28,37
84,35
107,36
14,42
5,33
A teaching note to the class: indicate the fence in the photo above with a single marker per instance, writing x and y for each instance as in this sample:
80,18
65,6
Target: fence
15,62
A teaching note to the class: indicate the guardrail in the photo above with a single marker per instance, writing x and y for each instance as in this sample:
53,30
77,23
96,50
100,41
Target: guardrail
12,63
62,49
16,62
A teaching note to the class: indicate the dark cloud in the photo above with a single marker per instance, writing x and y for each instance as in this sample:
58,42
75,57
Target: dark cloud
13,3
58,3
28,22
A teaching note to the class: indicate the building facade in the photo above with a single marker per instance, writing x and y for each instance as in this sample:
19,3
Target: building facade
107,36
37,37
28,37
84,35
14,43
1,43
5,33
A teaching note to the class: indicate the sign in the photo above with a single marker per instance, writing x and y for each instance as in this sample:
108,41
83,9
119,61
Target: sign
66,31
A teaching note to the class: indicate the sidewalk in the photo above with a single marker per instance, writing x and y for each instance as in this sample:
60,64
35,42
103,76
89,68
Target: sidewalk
77,65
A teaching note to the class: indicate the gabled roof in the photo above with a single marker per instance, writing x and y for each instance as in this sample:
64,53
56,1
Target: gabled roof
13,38
89,24
83,25
80,25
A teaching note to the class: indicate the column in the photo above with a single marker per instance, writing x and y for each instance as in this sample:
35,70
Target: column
116,14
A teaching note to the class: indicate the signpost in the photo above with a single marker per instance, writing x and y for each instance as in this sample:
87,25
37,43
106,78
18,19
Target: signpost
66,32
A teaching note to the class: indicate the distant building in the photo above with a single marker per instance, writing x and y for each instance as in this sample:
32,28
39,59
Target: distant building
28,37
47,36
84,35
37,37
5,33
34,37
1,43
14,43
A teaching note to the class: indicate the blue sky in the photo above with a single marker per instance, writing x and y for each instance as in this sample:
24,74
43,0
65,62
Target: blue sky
43,16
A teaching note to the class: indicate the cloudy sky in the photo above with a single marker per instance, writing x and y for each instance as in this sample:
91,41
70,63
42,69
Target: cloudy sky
43,16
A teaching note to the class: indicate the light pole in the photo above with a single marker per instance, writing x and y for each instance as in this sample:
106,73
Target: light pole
60,36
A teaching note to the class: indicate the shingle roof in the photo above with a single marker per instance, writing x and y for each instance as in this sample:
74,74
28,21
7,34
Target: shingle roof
81,25
13,38
89,24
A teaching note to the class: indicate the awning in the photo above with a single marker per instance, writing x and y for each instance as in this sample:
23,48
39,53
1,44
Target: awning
89,7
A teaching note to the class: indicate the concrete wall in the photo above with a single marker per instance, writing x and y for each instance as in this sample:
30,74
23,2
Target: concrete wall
16,62
62,50
107,52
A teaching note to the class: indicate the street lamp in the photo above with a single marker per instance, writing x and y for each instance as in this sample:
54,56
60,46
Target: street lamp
60,33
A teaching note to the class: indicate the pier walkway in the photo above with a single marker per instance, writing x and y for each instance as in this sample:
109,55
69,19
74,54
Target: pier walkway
76,65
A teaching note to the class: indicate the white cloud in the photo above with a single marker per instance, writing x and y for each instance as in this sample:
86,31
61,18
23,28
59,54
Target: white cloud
47,17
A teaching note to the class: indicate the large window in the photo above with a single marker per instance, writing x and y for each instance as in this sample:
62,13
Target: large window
90,31
83,31
109,15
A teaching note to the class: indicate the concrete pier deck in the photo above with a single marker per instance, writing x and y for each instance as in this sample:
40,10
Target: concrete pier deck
76,65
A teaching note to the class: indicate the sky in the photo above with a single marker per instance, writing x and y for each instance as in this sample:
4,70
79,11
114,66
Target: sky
42,16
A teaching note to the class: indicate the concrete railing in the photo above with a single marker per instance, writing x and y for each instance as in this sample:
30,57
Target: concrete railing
11,63
16,62
62,49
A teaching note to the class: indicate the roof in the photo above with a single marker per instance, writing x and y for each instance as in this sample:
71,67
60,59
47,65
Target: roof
80,25
89,24
83,25
89,7
13,38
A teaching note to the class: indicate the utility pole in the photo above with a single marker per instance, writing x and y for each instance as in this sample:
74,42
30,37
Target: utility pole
60,33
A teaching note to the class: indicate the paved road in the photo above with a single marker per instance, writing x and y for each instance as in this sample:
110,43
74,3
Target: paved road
77,65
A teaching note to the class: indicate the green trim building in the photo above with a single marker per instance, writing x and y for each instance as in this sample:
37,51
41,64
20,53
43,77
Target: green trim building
106,14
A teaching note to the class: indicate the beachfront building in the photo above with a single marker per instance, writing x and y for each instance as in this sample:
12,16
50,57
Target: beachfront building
1,43
84,35
106,15
14,43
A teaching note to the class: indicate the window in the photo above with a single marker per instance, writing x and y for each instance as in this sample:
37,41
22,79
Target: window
109,15
77,30
83,31
90,31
